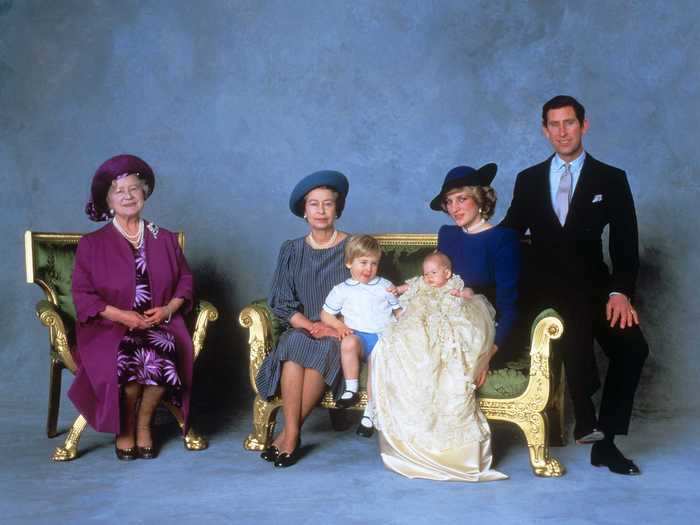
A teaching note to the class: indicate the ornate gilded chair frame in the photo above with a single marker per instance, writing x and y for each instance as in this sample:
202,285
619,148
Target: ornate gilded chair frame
528,410
47,311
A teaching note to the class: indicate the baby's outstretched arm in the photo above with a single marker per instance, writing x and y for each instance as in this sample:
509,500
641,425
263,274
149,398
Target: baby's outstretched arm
465,293
397,290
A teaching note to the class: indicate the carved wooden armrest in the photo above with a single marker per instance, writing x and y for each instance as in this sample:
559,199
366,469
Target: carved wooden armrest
58,337
546,327
528,409
256,319
205,313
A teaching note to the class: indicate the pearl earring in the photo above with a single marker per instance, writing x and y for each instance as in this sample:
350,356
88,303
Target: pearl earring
111,212
305,216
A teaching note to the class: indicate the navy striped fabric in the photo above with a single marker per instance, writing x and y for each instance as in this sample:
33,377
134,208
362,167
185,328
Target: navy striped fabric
303,278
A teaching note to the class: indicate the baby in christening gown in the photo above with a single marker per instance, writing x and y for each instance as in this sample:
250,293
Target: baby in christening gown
424,366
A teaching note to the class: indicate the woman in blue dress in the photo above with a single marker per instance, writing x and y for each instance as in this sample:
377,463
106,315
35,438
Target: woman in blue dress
452,442
486,257
306,359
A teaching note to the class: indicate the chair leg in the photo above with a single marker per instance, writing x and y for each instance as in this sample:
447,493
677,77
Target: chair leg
193,440
264,413
55,369
69,450
535,429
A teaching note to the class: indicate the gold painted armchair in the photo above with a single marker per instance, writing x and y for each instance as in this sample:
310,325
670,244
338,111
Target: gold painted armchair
527,393
49,259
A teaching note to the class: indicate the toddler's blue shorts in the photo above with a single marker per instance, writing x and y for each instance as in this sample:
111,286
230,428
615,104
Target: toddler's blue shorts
368,341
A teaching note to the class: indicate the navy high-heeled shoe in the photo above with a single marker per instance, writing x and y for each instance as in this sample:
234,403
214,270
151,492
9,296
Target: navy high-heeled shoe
125,454
285,459
271,453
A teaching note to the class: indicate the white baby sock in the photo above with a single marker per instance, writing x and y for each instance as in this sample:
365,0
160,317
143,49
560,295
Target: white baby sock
351,386
369,414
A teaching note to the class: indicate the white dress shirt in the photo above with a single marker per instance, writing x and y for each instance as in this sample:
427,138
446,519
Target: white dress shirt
556,169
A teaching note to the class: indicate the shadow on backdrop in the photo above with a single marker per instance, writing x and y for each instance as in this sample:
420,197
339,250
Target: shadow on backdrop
221,387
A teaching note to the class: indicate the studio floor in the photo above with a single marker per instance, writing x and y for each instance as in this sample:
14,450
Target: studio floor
340,480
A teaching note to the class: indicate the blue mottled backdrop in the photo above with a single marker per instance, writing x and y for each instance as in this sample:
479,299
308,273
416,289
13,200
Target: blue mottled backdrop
233,101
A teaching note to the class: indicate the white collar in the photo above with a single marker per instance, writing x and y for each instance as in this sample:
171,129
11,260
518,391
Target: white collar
558,163
353,282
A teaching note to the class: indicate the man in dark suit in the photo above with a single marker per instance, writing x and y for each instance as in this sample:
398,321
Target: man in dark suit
566,202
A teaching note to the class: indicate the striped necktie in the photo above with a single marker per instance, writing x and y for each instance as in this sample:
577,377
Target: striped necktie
563,197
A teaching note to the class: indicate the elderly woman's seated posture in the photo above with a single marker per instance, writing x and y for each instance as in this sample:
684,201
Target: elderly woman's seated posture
307,357
131,285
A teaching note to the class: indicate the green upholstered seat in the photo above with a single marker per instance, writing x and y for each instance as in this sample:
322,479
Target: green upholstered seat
54,266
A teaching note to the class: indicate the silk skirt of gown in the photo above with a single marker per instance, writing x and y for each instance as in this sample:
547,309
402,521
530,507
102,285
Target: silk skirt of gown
429,422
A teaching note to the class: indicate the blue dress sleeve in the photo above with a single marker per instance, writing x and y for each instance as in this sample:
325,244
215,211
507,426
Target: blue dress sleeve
507,273
283,298
441,240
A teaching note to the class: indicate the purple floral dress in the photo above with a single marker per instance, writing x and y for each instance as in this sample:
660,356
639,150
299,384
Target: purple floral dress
148,357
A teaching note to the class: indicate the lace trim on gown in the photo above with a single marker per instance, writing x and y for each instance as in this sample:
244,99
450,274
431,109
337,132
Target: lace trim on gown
425,365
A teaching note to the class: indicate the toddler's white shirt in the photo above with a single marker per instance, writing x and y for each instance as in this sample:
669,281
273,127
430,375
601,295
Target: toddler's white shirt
364,307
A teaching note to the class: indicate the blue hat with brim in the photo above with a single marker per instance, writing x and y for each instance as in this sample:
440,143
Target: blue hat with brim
464,176
329,178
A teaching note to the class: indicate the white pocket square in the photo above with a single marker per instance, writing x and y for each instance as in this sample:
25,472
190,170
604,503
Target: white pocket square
597,198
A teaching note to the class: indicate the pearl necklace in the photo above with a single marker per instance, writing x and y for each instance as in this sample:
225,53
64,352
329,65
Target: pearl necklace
472,229
136,240
319,246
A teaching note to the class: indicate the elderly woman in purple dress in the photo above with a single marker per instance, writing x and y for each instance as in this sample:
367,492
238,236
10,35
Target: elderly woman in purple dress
131,285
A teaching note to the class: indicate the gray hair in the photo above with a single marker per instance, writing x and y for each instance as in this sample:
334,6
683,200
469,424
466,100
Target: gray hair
144,185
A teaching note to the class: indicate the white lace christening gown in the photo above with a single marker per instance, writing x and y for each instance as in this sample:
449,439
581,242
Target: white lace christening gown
429,422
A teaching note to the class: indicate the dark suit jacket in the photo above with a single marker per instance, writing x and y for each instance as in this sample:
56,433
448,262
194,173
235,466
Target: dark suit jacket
571,257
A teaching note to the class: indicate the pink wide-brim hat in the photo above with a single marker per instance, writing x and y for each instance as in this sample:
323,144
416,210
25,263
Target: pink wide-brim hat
110,170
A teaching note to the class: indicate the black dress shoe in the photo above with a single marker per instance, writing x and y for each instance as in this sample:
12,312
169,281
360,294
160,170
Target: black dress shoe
350,401
364,430
606,454
593,436
270,453
125,454
287,459
146,452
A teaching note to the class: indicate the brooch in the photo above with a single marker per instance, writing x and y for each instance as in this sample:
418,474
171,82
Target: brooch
153,228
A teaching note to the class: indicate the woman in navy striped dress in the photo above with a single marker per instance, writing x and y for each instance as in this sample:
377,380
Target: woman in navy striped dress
306,359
